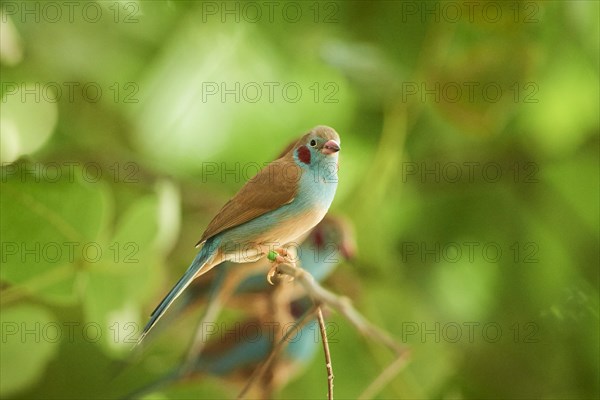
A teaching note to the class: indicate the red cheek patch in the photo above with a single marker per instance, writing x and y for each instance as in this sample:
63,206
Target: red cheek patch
318,238
304,154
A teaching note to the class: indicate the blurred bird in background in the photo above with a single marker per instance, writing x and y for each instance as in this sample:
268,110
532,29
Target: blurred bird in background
235,356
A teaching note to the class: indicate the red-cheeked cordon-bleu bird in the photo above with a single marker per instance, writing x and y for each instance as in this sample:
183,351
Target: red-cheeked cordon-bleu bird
278,206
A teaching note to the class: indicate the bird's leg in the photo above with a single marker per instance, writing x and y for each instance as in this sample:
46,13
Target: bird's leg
279,256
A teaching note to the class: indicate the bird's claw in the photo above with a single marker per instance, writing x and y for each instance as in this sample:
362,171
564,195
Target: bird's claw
280,258
272,272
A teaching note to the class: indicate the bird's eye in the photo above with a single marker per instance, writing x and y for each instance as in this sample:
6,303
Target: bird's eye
313,143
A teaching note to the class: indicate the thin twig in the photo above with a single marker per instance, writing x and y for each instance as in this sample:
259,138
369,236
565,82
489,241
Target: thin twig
211,312
385,377
328,364
342,305
219,296
258,372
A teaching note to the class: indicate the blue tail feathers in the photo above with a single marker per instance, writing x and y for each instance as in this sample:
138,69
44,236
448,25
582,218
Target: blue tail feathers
203,256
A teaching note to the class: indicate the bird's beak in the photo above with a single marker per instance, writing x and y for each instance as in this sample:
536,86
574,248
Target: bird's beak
348,249
330,147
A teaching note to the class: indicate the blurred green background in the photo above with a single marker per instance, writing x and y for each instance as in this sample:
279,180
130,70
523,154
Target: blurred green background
469,168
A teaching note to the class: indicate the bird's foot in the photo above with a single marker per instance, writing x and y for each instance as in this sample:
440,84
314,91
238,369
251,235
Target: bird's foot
279,256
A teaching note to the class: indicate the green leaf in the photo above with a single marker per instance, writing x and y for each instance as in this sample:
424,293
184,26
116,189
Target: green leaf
49,228
119,284
556,129
29,341
27,121
264,97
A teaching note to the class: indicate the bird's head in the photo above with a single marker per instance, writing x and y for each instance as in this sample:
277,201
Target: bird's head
321,144
334,232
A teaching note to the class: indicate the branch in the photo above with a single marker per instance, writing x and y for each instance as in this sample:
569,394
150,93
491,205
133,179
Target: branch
258,372
210,314
385,377
343,305
328,364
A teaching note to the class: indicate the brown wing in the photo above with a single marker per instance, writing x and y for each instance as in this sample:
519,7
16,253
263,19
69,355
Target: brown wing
275,185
